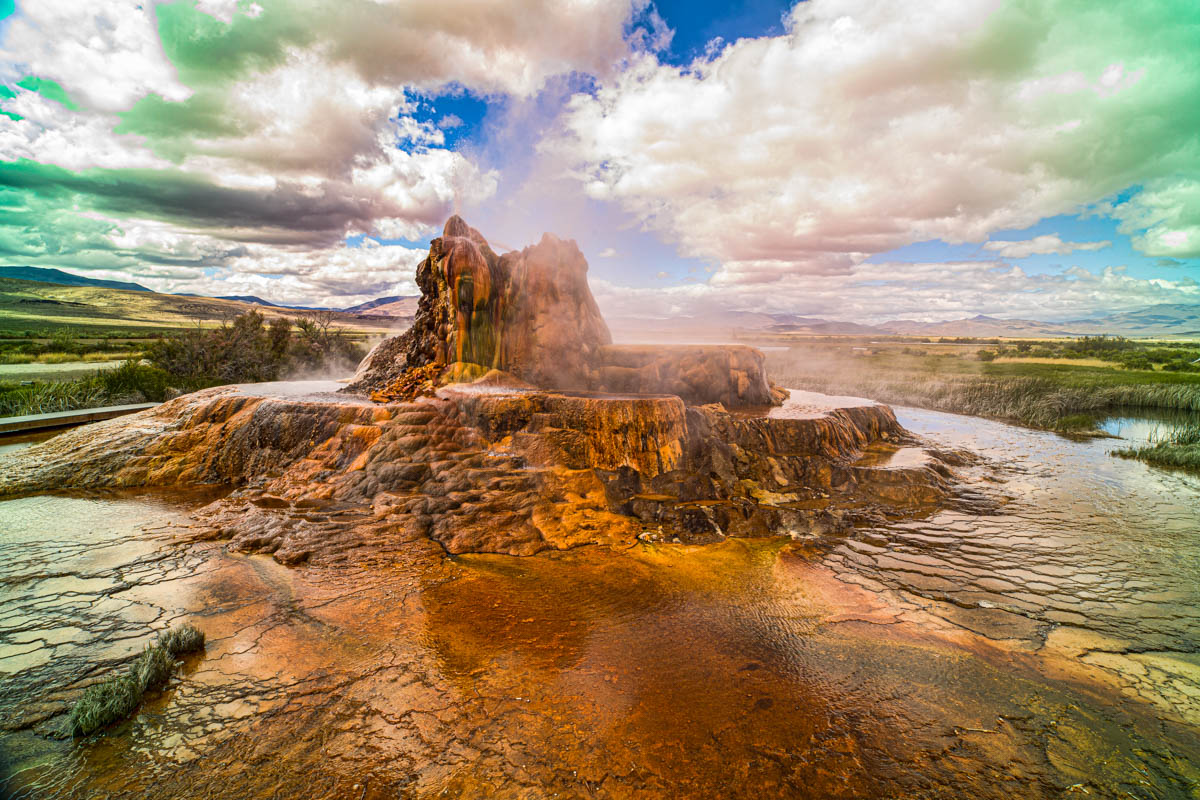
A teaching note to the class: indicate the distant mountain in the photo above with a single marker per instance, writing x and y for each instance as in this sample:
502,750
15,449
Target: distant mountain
256,301
370,304
249,298
1165,320
978,326
394,306
825,327
48,275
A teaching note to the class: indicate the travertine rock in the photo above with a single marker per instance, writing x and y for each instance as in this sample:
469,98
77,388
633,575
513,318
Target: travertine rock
539,434
495,466
733,375
531,314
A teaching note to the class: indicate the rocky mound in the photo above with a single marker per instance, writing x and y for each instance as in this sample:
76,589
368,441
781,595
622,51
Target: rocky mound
528,313
488,467
505,421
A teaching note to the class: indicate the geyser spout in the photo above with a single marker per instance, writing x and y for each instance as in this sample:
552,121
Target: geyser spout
531,313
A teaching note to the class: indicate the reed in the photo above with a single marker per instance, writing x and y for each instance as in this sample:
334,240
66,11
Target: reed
105,703
1177,447
1051,401
46,398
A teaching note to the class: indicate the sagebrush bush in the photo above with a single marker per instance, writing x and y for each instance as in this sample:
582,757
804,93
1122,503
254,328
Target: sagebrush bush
248,350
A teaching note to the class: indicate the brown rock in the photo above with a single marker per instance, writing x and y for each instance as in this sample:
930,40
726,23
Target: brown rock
529,313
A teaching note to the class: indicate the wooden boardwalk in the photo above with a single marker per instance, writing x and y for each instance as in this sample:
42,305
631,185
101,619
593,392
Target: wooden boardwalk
59,419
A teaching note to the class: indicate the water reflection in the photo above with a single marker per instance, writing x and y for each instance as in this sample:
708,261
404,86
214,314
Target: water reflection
11,442
1139,426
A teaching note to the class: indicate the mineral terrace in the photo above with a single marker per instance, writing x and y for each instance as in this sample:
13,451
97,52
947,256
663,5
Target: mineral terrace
506,421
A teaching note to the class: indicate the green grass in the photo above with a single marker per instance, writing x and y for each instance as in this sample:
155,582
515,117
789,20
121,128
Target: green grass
1061,397
118,697
1179,447
47,398
186,638
131,382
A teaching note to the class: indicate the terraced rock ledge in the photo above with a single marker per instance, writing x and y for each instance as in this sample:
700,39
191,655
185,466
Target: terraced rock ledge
318,475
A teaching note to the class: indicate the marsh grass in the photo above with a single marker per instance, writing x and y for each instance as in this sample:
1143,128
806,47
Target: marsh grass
1051,397
116,698
46,398
129,383
1177,447
184,639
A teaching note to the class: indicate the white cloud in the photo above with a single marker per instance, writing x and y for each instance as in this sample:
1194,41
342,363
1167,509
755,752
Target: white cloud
1164,218
105,52
318,143
510,47
1047,244
50,133
868,126
608,252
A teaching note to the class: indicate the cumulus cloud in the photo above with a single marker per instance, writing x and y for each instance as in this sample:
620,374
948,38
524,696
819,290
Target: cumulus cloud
257,136
107,52
1047,244
1164,218
868,126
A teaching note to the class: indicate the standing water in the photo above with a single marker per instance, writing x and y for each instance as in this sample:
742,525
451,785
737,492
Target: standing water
1037,640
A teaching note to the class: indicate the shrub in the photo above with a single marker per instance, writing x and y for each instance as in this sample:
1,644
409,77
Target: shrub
245,350
135,377
986,355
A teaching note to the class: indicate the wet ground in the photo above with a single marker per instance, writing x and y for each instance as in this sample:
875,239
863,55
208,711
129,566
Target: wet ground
1046,649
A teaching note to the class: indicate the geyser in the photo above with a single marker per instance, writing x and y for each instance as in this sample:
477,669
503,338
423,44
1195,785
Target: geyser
531,314
536,432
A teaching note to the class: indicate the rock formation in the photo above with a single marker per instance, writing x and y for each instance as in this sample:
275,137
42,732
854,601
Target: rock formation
539,434
531,314
528,313
322,476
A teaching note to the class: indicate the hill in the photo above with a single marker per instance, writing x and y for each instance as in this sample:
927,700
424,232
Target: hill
44,308
46,275
394,306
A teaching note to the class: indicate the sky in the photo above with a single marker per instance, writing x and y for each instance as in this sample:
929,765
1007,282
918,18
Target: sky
846,159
